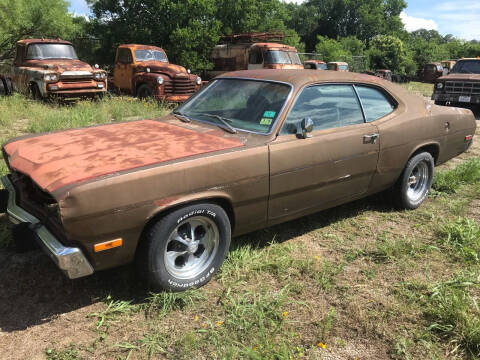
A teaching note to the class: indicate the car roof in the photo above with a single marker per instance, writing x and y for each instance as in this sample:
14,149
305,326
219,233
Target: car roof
139,47
300,77
44,41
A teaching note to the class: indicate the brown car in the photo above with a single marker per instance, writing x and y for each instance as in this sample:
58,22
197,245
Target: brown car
249,150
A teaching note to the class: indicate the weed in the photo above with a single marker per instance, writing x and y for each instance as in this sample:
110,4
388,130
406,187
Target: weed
114,309
449,181
392,249
165,302
70,353
463,236
326,325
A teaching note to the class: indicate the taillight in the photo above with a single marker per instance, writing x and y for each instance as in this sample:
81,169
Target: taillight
468,138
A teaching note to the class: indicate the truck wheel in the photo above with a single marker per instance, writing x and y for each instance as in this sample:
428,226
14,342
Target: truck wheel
35,92
414,184
144,92
185,248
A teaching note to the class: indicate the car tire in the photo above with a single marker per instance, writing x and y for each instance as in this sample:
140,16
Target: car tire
144,91
414,184
185,248
35,92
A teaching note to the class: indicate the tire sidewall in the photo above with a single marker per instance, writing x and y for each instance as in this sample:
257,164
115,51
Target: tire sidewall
404,186
148,92
158,275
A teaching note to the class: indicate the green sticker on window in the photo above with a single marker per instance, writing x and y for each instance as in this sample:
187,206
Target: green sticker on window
269,114
266,121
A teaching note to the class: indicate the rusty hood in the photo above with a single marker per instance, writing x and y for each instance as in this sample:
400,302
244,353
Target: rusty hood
460,77
59,66
161,67
59,159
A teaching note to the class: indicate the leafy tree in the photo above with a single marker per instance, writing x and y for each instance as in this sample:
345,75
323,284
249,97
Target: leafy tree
331,49
388,52
21,19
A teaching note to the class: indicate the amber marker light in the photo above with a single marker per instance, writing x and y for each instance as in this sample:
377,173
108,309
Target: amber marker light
107,245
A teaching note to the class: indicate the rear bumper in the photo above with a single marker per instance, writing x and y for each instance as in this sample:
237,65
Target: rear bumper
474,99
70,260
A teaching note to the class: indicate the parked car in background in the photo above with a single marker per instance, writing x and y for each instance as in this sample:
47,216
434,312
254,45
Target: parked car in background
315,65
461,87
249,150
448,65
45,68
337,66
253,51
384,74
144,71
431,72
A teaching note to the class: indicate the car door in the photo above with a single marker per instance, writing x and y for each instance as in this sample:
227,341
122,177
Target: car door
332,166
123,71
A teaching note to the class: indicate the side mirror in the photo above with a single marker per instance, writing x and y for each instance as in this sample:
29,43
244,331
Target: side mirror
306,127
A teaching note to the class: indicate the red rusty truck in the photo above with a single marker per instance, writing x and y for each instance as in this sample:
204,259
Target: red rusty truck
45,68
144,71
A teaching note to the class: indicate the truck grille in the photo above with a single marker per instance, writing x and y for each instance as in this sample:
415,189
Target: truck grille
179,86
461,87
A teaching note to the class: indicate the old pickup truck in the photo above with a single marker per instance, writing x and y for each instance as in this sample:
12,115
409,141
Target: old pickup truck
253,51
45,68
251,149
144,71
461,87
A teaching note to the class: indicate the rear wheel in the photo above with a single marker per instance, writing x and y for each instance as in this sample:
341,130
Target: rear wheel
144,92
415,182
185,248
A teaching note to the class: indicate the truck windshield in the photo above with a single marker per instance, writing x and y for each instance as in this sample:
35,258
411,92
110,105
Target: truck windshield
322,66
282,57
467,67
250,105
150,55
51,51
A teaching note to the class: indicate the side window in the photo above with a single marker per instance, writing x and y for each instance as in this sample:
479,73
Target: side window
124,56
309,66
329,106
375,103
255,57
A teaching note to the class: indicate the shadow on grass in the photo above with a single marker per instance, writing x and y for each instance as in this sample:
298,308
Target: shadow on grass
33,290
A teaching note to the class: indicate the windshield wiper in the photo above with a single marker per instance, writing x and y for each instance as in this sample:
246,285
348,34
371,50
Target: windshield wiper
181,117
224,122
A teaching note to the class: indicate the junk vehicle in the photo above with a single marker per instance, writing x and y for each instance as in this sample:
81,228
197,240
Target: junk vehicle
253,51
431,72
337,66
315,64
249,150
45,68
144,71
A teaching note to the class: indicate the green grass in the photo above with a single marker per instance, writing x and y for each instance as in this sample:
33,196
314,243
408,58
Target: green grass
448,181
462,237
69,353
419,88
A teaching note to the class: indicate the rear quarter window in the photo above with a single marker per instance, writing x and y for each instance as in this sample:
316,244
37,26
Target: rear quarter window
375,103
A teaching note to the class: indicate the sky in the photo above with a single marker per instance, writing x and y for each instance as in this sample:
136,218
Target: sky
460,18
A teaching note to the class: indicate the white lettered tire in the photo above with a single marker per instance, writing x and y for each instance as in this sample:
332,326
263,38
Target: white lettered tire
185,248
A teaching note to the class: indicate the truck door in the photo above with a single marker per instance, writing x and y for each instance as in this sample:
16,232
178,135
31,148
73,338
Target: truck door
123,70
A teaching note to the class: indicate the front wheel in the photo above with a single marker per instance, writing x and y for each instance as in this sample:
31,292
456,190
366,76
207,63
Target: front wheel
144,92
414,184
185,248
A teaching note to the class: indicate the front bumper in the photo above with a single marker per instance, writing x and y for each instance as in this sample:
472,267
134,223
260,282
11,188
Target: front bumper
70,260
455,98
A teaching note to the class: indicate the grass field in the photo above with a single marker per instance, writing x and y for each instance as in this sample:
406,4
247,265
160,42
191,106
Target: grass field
360,281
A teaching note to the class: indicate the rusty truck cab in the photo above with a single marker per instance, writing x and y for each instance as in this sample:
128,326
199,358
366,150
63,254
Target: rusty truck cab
144,71
337,66
315,65
253,51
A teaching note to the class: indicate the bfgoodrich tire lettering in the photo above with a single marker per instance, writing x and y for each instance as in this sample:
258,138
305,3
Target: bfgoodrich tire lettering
414,184
185,248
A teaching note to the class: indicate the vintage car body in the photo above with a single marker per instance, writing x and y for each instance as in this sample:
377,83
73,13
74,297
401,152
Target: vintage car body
337,66
384,74
84,188
156,77
432,71
61,77
246,52
315,65
460,87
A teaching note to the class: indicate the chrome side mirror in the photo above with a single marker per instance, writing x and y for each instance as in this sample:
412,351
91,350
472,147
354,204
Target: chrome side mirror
306,127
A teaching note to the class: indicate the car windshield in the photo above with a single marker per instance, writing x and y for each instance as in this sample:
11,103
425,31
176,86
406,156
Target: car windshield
150,55
294,58
250,105
51,51
278,57
467,67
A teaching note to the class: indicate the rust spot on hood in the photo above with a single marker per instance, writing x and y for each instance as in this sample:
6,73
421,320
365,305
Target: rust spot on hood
59,159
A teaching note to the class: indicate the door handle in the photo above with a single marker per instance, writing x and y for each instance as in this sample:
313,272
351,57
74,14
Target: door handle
370,139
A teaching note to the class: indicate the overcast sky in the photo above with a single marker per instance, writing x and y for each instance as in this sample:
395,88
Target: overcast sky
460,18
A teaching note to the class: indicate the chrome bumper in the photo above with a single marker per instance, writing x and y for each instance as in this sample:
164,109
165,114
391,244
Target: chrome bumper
70,260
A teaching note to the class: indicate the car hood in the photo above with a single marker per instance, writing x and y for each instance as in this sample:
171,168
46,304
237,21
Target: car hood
161,67
59,159
462,77
60,66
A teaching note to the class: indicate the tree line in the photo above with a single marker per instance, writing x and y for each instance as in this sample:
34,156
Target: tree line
188,29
